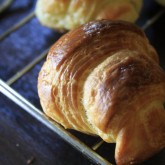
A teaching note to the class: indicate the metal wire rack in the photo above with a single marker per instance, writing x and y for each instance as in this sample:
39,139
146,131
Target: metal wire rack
5,5
8,91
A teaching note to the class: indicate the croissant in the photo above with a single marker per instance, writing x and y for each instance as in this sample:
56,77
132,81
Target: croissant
103,78
68,14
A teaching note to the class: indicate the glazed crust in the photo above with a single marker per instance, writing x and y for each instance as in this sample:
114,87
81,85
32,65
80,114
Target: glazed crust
68,14
104,78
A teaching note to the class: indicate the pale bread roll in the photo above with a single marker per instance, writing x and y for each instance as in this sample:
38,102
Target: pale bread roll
68,14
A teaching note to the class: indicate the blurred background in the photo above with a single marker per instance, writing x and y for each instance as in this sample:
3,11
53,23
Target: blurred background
24,140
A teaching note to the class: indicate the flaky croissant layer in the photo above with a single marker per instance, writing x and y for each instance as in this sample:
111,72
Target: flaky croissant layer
104,78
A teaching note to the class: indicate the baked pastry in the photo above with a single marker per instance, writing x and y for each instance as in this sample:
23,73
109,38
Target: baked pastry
68,14
103,78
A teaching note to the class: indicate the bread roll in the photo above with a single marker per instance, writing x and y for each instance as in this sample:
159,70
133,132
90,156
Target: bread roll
103,78
68,14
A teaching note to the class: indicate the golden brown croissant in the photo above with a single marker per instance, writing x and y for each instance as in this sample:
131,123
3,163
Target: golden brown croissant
103,78
68,14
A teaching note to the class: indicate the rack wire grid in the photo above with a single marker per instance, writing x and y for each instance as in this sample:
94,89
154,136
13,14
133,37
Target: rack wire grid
17,98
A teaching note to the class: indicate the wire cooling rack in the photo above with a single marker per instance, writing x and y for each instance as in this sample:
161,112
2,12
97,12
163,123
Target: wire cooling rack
17,98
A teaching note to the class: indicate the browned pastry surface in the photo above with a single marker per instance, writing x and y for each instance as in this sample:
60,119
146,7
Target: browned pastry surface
104,78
